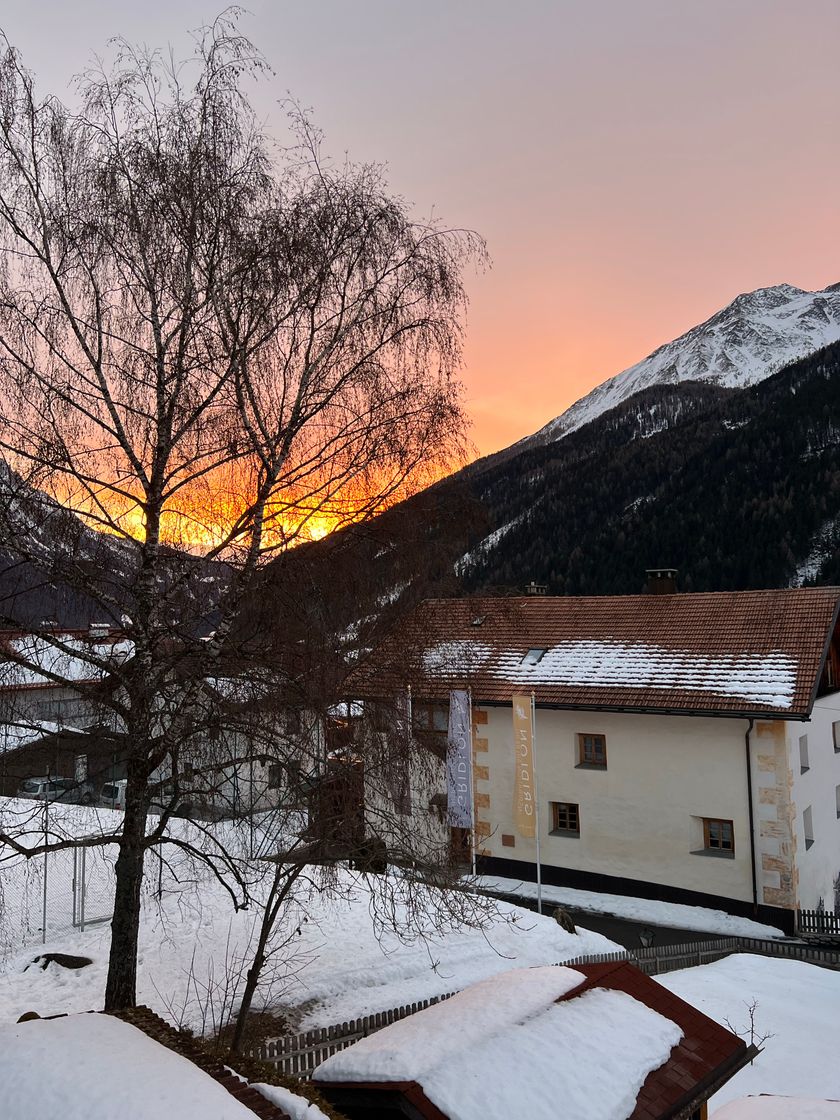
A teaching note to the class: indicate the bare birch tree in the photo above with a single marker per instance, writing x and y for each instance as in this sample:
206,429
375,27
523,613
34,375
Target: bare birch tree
208,346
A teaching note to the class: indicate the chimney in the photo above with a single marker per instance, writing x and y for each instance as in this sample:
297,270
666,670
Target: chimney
661,581
536,588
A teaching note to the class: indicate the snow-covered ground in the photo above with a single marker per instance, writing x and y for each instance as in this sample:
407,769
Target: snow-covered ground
669,914
796,1004
778,1108
336,965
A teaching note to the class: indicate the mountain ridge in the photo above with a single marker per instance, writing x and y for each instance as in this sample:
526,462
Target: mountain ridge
749,339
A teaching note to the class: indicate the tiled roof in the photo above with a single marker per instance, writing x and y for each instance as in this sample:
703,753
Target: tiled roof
191,1049
706,1055
737,652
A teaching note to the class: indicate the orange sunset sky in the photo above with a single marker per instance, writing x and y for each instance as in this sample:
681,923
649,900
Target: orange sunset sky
633,164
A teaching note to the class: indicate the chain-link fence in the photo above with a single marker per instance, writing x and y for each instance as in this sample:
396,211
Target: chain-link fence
47,897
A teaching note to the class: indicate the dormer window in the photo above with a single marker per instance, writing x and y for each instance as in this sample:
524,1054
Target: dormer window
533,656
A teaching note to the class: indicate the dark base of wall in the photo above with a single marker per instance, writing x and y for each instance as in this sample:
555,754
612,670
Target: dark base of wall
610,884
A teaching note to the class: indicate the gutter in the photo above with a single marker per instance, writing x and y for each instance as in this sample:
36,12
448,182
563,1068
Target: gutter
751,814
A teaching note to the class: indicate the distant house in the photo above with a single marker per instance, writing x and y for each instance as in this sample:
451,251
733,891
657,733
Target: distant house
50,721
597,1041
245,754
687,745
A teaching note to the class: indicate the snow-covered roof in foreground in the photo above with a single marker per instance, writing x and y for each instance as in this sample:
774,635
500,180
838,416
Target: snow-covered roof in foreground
779,1108
95,1067
505,1047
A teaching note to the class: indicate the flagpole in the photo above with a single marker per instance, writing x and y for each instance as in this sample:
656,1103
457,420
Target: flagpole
472,786
536,798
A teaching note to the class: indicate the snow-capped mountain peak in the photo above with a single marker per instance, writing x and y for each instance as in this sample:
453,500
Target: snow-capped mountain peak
754,336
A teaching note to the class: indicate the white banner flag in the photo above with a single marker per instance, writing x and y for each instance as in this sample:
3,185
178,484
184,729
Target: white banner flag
459,760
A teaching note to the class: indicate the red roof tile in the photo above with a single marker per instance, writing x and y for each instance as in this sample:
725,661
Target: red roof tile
706,1053
739,652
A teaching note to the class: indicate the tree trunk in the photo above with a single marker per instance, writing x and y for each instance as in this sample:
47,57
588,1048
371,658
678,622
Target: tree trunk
248,995
276,897
121,987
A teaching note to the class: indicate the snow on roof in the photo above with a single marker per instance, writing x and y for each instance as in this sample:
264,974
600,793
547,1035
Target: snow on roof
767,679
297,1107
95,1067
778,1108
13,736
66,656
739,652
506,1047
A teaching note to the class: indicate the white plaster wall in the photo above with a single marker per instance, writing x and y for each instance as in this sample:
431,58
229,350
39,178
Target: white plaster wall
640,818
818,866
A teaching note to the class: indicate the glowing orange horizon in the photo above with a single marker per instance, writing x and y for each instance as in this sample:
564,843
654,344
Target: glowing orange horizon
207,520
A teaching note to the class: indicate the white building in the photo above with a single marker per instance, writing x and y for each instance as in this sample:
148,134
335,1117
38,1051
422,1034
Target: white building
687,745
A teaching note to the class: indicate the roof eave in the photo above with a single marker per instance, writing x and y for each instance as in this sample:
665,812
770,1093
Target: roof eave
793,714
826,649
687,1107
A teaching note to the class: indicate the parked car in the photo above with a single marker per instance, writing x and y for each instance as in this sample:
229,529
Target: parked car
112,794
66,790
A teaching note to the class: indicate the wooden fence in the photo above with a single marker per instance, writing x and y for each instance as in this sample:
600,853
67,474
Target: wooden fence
818,923
298,1055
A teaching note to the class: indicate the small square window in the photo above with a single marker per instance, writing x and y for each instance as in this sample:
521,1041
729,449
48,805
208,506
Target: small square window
592,751
533,657
430,718
718,836
565,818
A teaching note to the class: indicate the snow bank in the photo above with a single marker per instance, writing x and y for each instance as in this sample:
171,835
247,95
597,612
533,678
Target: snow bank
778,1108
669,914
796,1004
335,967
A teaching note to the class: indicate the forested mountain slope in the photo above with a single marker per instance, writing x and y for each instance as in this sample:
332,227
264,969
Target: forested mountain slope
738,488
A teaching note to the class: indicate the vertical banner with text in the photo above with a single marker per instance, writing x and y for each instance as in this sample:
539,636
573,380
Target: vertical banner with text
459,760
524,796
